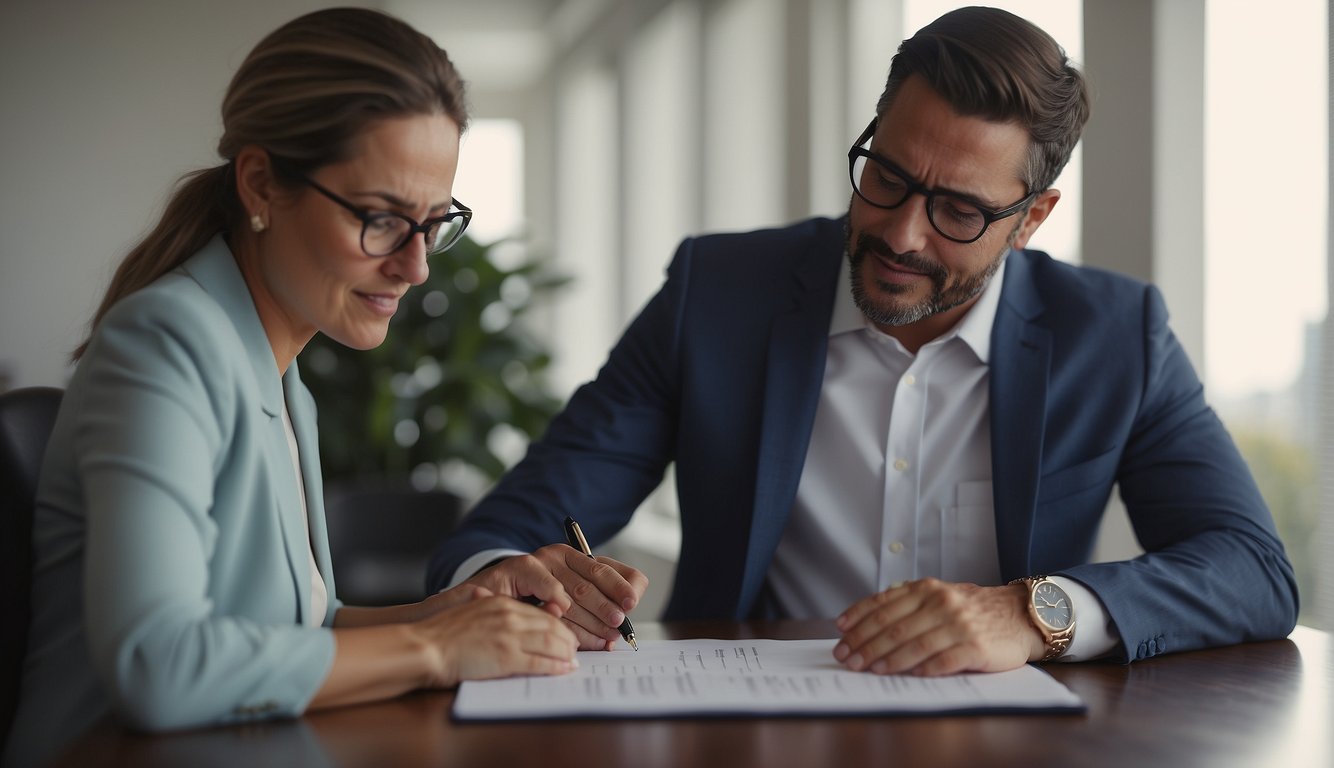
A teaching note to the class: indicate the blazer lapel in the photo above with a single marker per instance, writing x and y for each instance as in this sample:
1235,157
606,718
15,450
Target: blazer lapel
214,268
1020,369
302,409
288,509
797,344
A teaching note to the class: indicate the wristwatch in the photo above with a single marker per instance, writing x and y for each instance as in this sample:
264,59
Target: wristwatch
1052,612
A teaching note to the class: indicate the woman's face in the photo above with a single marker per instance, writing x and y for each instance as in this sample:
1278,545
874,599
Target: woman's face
313,270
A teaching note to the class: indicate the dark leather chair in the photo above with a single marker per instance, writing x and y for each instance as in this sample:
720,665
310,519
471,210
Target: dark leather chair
380,540
26,418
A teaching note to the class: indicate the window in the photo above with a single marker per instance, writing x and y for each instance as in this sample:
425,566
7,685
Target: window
1266,252
490,178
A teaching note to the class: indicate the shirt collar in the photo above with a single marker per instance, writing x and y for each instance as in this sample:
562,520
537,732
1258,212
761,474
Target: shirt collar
974,329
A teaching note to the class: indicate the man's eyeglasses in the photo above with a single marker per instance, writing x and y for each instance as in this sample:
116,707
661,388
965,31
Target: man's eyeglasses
384,232
885,185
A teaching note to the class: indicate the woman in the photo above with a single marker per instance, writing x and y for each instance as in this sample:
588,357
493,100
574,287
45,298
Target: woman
182,571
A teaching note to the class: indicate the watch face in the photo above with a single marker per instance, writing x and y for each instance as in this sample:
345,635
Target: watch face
1052,606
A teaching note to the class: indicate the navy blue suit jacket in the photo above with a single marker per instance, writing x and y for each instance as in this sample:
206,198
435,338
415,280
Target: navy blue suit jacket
721,373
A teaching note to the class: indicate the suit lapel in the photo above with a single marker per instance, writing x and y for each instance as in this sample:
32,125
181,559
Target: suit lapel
798,341
1020,369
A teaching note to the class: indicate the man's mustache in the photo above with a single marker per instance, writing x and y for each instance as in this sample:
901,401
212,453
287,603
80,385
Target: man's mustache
909,261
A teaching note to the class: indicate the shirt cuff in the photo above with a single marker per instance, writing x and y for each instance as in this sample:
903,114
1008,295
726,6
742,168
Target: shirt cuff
469,568
1095,636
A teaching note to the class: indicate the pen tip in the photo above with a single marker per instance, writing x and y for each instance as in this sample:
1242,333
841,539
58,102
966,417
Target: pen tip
631,640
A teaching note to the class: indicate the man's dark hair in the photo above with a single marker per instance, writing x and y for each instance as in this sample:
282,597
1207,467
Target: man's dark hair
991,64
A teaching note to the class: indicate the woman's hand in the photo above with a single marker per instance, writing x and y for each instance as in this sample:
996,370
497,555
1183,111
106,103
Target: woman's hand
493,636
452,598
465,633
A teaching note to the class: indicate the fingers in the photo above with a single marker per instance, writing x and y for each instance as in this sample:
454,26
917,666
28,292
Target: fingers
593,633
526,576
498,637
931,627
545,643
543,665
588,641
636,578
882,607
592,594
599,588
859,610
463,593
602,591
875,627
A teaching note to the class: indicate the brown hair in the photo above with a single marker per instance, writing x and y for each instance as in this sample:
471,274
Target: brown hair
992,64
305,93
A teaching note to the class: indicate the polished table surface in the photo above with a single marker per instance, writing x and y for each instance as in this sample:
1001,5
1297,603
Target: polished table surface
1261,704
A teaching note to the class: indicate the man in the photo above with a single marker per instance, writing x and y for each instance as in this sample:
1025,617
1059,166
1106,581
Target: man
904,420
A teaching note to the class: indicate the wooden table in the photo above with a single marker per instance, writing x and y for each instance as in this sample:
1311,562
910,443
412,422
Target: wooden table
1263,704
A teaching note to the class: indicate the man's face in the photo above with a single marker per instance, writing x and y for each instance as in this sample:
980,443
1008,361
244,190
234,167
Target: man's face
907,278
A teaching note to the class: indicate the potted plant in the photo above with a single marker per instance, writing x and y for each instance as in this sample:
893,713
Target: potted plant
410,429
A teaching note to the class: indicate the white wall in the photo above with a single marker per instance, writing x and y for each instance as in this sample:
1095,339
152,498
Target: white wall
105,105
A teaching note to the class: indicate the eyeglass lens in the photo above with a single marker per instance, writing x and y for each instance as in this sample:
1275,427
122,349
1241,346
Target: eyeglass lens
955,217
386,232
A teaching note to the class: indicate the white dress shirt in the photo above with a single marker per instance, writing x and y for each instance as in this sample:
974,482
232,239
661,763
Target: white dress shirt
897,479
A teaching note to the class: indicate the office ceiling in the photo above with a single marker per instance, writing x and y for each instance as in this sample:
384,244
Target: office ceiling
501,46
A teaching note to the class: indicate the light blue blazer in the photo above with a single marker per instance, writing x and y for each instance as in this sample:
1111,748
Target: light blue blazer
171,564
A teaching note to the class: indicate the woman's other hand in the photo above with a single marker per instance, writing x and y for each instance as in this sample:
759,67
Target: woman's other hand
492,636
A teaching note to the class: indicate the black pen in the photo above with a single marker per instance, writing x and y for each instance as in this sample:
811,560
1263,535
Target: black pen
575,538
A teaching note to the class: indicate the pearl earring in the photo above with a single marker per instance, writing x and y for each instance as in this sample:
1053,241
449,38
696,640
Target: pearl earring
257,223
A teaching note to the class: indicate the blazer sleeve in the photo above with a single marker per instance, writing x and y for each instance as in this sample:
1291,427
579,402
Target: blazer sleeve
151,442
1214,571
601,456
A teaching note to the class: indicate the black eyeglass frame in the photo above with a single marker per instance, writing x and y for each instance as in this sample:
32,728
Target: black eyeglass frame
989,216
367,217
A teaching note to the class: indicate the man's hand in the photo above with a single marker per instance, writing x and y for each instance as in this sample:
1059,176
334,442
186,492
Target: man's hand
592,594
932,627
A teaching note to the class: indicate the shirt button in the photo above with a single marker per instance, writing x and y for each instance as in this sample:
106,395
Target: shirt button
900,464
910,379
896,547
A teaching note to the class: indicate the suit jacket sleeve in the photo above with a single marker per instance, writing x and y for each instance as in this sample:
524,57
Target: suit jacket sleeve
600,458
1214,571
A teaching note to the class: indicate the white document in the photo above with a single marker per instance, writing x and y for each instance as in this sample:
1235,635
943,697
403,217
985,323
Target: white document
679,678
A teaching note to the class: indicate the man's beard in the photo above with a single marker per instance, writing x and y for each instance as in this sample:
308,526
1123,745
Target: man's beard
887,312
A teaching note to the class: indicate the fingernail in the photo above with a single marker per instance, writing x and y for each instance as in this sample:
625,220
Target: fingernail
841,651
841,622
574,663
855,662
617,619
628,603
